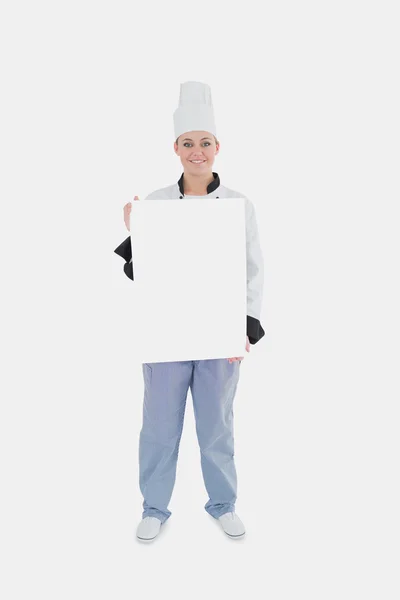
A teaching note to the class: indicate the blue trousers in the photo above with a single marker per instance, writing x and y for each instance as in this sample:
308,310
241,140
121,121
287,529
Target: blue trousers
213,386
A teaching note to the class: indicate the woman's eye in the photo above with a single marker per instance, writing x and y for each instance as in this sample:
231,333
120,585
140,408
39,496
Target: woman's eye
191,144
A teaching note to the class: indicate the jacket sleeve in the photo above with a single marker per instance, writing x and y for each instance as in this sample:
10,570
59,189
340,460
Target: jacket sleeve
255,277
125,251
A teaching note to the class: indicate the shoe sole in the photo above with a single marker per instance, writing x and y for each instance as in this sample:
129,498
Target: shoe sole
235,537
146,540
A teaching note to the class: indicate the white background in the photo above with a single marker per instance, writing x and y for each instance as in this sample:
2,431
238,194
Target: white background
306,102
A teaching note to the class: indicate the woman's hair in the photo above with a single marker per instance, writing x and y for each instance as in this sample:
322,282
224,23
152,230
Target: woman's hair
216,141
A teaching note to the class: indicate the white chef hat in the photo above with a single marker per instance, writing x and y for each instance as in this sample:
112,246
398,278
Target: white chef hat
195,111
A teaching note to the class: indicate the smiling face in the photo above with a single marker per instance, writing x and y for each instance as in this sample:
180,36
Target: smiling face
197,150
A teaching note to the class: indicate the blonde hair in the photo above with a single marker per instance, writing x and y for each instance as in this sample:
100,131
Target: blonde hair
216,141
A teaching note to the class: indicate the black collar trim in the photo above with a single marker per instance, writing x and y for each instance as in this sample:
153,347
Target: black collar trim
210,188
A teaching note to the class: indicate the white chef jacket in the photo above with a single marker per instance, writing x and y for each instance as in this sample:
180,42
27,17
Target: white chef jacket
254,257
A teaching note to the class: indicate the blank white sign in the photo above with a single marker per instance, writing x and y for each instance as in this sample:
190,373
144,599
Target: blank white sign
189,265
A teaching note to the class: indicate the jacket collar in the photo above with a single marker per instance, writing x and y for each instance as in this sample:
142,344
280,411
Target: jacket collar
210,188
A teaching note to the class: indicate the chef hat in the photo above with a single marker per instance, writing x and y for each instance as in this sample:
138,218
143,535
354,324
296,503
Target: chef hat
195,111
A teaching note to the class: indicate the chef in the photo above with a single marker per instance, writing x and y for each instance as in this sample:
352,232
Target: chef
212,382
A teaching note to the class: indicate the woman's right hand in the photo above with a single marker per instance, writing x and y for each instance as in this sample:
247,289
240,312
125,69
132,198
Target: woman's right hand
127,213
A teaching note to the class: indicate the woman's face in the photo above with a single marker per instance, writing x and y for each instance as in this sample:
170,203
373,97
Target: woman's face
196,146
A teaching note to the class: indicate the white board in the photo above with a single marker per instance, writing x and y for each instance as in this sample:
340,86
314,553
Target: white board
189,265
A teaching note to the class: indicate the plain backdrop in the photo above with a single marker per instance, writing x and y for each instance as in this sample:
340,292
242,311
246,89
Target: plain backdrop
306,99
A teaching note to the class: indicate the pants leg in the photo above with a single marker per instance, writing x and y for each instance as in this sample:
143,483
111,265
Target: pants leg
213,390
166,388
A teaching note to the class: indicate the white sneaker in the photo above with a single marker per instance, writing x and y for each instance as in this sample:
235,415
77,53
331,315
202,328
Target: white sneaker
148,529
232,525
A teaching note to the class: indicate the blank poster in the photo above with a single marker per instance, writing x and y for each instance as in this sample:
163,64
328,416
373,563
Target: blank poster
189,264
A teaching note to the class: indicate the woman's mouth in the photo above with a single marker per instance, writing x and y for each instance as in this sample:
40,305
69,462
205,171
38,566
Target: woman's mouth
197,162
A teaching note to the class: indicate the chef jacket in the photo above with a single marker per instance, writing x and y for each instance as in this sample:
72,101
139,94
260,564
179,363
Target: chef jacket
254,258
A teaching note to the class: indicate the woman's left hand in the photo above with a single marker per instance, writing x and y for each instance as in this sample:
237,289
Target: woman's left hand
235,358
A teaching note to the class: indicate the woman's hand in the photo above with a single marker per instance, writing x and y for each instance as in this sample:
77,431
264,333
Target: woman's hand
235,358
127,213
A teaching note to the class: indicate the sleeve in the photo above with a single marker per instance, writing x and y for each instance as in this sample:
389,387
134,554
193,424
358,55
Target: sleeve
255,277
125,251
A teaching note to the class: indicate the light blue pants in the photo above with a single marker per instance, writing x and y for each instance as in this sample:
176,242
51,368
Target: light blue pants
213,386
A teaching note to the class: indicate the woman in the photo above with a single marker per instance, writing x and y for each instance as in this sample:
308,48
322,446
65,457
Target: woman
213,383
